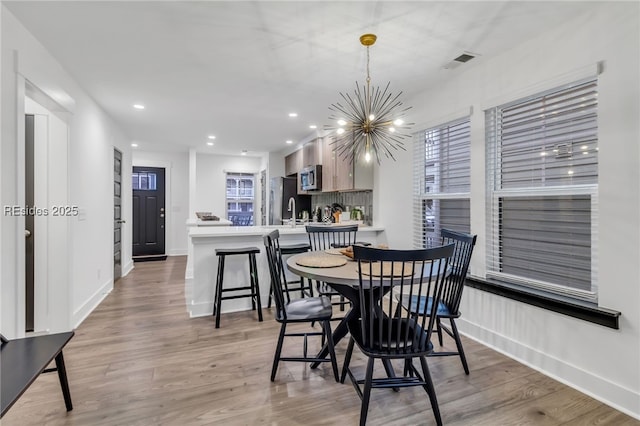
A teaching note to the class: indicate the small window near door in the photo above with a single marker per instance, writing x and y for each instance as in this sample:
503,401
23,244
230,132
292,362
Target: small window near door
240,197
143,181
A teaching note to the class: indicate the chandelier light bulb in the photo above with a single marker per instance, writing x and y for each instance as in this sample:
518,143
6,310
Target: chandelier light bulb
367,157
372,117
340,131
392,129
341,122
398,122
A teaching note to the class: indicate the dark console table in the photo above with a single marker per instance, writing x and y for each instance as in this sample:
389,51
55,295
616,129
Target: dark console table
22,361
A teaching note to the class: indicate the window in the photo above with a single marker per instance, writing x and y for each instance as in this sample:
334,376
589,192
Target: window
442,161
542,176
240,195
143,181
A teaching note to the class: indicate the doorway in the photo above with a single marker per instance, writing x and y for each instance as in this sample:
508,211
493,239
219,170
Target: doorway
149,215
47,215
117,214
29,135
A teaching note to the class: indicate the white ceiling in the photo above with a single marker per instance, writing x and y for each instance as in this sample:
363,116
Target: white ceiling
235,69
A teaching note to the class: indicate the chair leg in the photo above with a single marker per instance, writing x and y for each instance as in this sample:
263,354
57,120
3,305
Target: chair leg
463,358
347,360
408,368
270,297
398,311
310,286
439,330
430,389
276,357
326,326
217,304
366,395
253,266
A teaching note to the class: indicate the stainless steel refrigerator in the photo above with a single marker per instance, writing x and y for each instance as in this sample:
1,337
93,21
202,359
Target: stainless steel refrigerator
280,190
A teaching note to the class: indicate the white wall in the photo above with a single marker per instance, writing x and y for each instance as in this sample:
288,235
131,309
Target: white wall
92,138
176,166
597,360
211,183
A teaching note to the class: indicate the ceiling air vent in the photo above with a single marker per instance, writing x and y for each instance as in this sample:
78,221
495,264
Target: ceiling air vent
465,57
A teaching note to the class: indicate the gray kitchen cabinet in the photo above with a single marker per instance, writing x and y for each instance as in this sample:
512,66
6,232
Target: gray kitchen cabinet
293,163
339,174
312,153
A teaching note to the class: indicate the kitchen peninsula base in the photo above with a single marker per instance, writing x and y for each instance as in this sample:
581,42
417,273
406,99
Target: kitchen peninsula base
202,263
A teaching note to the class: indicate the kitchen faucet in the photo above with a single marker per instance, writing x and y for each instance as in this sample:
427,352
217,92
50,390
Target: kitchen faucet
292,209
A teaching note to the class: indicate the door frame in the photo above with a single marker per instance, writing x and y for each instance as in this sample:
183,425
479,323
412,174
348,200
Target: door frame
52,288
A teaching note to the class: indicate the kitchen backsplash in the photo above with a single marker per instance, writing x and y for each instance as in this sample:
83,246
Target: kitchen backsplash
360,199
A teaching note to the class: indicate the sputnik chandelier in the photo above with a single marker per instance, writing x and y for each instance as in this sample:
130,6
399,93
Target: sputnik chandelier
369,120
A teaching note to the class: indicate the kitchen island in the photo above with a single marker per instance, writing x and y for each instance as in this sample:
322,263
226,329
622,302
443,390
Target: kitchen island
202,262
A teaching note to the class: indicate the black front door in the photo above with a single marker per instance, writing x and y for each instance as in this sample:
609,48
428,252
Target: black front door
148,212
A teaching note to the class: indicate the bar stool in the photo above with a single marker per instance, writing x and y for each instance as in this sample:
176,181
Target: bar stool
254,289
298,285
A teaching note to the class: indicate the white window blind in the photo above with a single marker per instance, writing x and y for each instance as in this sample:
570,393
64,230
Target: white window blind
542,176
442,161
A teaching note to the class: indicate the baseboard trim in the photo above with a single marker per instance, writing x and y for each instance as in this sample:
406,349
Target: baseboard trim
600,388
178,252
128,267
80,314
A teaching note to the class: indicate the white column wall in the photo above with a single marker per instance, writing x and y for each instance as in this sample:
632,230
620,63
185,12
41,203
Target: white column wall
597,360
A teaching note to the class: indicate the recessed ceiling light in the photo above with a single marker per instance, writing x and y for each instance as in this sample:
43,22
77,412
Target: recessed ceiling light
289,142
211,137
138,106
293,114
313,126
210,143
244,152
134,145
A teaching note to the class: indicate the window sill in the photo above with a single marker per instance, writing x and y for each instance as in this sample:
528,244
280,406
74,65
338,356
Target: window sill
582,310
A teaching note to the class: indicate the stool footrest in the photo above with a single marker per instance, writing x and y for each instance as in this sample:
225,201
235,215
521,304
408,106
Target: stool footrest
239,296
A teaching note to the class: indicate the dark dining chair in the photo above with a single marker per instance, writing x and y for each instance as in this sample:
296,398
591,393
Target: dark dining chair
302,310
449,305
381,335
323,237
296,284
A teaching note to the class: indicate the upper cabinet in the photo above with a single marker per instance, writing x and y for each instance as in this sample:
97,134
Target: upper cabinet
339,174
309,155
293,163
312,153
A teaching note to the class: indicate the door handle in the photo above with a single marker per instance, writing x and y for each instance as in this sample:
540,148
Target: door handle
27,233
161,214
121,221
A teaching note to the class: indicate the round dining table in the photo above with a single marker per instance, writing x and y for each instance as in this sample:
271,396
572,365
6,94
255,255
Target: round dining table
344,279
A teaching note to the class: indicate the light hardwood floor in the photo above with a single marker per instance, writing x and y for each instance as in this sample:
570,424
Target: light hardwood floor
139,360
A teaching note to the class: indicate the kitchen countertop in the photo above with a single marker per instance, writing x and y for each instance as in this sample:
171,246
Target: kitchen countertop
198,222
229,231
